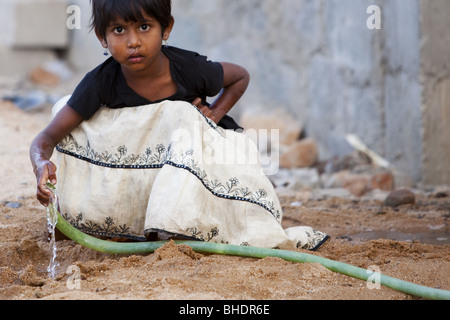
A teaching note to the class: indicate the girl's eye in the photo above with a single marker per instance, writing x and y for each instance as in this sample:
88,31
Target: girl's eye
119,30
145,27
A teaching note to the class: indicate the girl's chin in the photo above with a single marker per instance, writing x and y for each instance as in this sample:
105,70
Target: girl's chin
135,67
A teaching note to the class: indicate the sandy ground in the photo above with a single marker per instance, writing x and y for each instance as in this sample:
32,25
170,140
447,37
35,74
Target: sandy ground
364,233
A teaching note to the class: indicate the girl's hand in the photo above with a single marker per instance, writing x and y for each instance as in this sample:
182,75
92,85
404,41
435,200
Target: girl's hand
42,147
207,112
45,171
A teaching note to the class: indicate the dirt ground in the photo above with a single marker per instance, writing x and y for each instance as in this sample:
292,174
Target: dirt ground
410,243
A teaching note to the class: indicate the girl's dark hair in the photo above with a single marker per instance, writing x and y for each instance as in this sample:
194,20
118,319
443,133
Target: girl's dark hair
105,11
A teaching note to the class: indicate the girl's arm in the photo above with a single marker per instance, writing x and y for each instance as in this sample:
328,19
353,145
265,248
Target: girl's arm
236,80
41,149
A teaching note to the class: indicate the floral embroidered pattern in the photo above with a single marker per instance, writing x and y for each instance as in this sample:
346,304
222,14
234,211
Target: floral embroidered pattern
157,157
194,232
315,240
108,228
150,158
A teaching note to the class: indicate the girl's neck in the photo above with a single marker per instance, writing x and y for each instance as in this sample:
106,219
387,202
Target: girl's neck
154,84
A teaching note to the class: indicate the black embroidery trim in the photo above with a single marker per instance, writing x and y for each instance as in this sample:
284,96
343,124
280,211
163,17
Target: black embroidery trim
162,157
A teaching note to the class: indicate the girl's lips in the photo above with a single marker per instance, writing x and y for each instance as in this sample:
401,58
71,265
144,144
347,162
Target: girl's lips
136,58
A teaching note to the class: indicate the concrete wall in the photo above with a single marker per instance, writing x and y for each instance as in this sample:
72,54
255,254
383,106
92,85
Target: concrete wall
318,60
435,74
401,88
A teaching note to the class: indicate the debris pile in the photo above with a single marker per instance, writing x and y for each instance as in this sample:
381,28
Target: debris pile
43,86
362,173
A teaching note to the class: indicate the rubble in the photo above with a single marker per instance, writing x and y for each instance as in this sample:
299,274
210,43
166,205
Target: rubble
51,73
360,180
42,87
358,175
295,180
28,100
41,76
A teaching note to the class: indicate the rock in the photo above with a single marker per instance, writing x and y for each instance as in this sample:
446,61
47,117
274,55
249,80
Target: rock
300,154
400,197
296,179
357,184
440,192
383,181
29,100
51,73
13,204
290,129
346,162
41,76
360,180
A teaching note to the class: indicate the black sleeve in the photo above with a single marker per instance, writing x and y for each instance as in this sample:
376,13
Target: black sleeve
209,76
86,98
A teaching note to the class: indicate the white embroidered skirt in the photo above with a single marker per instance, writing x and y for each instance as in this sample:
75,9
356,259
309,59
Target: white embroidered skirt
165,168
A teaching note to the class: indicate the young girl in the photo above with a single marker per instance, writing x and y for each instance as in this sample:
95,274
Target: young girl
135,137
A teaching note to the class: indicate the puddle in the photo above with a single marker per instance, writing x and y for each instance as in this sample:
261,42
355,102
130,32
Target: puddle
434,238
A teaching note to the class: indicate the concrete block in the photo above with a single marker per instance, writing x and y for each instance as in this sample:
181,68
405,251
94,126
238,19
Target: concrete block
34,23
19,62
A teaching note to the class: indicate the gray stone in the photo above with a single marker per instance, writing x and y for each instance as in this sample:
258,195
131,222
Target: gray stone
400,197
296,179
13,204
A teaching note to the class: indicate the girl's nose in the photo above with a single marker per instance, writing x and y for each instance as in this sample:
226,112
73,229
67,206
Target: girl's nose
133,40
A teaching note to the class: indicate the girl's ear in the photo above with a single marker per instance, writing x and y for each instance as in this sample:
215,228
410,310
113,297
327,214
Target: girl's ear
168,30
102,40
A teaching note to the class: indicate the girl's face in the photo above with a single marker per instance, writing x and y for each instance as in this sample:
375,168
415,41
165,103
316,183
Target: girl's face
135,45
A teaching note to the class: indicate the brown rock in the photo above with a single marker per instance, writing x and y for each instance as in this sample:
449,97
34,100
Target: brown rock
289,127
300,154
44,77
400,197
360,181
357,184
383,181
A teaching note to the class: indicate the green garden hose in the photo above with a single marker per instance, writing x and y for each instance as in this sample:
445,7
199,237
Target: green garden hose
233,250
252,252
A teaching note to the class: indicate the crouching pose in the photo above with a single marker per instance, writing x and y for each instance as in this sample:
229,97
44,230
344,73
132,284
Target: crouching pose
142,156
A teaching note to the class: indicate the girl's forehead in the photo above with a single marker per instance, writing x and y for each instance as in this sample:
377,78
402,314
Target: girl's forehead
118,19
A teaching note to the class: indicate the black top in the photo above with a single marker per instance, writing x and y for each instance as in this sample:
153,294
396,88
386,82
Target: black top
194,75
